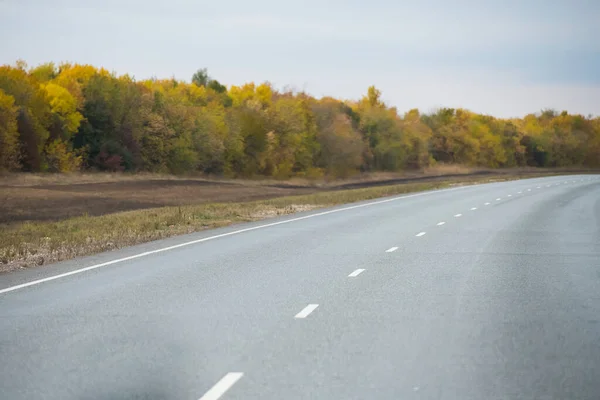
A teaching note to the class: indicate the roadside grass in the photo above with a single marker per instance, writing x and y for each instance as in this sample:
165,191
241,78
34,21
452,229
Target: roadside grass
29,244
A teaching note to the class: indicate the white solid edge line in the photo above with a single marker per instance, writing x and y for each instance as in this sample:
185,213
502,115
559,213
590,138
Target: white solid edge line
441,223
222,386
421,234
306,311
391,250
356,273
287,221
458,215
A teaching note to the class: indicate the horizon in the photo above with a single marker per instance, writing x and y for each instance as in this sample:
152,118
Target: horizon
505,60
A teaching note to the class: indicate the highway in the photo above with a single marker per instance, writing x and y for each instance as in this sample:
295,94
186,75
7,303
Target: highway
475,292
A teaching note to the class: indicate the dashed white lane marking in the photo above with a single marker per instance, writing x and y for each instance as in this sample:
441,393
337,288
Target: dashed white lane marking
487,204
306,311
547,185
206,239
499,198
421,234
356,273
529,190
473,208
539,187
510,195
391,250
458,215
519,192
440,223
222,386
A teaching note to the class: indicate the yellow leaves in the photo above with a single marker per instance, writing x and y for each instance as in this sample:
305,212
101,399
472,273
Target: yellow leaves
74,78
63,104
7,102
373,96
9,136
196,94
44,72
240,94
264,94
260,96
531,125
60,158
412,115
462,117
78,73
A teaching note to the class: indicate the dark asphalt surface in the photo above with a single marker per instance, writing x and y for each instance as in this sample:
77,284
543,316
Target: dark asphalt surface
501,302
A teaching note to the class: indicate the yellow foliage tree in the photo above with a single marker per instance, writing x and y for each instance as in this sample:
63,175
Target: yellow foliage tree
9,136
64,107
60,158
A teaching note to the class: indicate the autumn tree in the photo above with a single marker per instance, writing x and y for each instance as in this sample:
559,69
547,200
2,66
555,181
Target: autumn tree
71,116
33,114
9,136
341,145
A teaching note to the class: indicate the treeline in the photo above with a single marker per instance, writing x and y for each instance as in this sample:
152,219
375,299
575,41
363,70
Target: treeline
74,117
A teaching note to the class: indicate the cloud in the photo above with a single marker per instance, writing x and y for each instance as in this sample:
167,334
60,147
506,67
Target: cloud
430,52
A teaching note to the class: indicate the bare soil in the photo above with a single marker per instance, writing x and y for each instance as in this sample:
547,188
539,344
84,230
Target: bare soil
38,197
59,201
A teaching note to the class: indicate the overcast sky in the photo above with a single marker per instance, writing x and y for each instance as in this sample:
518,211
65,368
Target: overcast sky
506,58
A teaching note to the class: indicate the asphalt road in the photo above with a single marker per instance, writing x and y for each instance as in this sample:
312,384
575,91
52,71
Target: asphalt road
482,292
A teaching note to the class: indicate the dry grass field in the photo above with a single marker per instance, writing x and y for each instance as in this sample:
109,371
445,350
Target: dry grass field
49,218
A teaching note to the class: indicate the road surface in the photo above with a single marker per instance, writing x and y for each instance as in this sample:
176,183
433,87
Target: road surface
480,292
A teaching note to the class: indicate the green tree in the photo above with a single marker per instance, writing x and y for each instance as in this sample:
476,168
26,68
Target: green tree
200,77
44,72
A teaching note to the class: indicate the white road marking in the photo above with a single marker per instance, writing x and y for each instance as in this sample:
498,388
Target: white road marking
547,185
510,195
487,204
421,234
306,311
391,250
222,386
499,198
206,239
458,215
356,273
519,192
529,190
473,208
539,187
441,223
